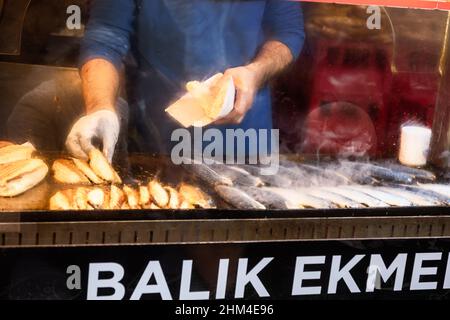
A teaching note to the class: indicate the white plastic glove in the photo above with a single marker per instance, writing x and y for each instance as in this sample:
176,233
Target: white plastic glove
103,124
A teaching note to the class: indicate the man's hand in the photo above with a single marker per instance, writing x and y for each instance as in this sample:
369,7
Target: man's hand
247,82
103,125
272,59
100,80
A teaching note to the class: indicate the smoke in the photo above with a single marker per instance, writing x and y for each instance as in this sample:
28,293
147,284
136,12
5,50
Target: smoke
340,129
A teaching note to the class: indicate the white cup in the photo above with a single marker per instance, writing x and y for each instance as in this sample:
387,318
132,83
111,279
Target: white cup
414,145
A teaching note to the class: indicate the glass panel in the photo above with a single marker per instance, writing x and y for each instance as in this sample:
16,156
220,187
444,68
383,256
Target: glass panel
223,105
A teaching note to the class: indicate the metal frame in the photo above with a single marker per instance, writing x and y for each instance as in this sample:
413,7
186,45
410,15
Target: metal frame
84,229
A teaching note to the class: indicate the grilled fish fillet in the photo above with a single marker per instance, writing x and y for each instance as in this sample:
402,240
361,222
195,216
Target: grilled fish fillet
341,201
158,193
174,198
238,198
153,206
132,197
96,198
415,198
116,198
359,197
194,196
186,206
438,188
270,180
13,153
64,171
59,201
125,206
17,178
298,199
305,200
81,199
208,175
5,144
237,175
267,198
335,177
84,167
102,168
439,198
381,172
144,196
106,201
14,170
388,198
420,174
210,96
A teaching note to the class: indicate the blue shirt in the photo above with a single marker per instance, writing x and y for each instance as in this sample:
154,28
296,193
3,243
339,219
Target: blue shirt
181,40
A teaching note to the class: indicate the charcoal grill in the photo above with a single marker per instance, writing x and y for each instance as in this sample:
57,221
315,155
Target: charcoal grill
36,238
49,228
217,226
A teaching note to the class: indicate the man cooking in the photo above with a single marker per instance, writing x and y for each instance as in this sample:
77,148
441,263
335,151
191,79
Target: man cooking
177,41
172,42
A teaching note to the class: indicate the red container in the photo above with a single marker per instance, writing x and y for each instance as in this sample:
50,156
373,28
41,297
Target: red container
413,94
355,73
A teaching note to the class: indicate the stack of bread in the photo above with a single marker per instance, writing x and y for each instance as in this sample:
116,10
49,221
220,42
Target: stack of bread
95,185
95,172
153,195
20,171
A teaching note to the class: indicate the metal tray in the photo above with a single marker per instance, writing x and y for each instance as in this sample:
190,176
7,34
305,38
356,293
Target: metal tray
33,229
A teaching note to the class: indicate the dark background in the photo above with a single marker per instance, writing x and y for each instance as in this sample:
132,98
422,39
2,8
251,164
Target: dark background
40,273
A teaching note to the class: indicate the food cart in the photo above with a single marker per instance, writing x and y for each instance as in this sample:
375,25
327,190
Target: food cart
394,74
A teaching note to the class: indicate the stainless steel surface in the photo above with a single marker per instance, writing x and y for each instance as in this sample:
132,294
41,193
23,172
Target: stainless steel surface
16,80
31,234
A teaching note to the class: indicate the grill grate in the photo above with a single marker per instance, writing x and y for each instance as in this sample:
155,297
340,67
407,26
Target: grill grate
202,231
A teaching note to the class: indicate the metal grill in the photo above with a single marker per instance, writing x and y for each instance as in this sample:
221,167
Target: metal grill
13,234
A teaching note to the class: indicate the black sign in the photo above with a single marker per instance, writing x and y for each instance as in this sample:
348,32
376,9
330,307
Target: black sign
394,269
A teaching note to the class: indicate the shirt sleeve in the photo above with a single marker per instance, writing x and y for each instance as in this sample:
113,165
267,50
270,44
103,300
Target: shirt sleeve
108,31
283,21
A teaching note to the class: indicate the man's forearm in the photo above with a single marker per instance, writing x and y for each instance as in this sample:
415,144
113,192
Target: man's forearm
100,85
272,59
